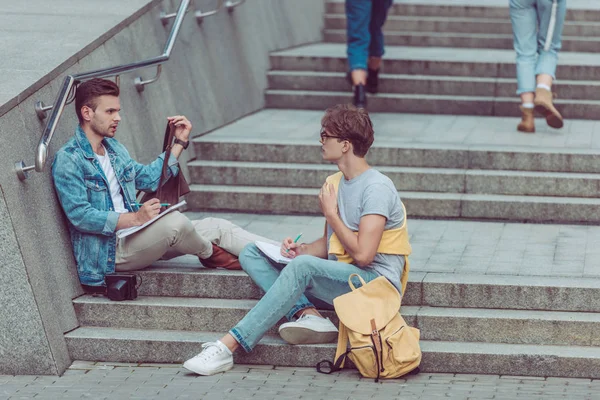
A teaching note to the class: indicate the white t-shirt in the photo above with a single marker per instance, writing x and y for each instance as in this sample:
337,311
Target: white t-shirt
113,183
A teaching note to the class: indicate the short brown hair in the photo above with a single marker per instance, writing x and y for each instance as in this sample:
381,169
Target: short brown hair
352,124
89,91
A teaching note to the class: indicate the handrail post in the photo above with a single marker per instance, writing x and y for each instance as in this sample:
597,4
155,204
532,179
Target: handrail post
41,108
200,15
140,83
230,5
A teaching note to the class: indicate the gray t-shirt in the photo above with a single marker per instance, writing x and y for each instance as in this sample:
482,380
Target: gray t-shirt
372,193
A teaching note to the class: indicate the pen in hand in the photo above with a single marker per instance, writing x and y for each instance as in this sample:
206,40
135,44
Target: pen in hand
161,204
295,241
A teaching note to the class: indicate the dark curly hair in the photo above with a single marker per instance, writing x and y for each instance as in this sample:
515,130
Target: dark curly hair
352,124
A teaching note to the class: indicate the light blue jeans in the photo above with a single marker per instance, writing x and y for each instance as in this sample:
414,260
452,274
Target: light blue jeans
365,19
530,21
285,287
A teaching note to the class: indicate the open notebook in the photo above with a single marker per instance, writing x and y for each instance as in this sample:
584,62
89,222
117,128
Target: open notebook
272,251
129,231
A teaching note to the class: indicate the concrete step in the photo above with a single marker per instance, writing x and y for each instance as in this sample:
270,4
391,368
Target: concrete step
405,179
426,84
425,104
132,345
463,40
277,200
401,154
581,10
447,24
200,282
439,324
424,288
438,61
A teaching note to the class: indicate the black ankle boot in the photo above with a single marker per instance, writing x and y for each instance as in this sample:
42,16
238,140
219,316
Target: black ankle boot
373,81
360,96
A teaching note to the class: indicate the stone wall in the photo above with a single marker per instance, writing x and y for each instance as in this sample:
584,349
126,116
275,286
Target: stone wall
217,74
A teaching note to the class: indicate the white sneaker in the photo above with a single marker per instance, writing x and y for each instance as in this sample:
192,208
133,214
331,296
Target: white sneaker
308,329
214,358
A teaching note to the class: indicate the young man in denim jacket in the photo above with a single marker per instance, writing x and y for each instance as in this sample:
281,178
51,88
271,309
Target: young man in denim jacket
96,181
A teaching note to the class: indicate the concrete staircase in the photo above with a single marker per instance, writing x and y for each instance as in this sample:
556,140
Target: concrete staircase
455,167
264,175
469,324
460,25
438,61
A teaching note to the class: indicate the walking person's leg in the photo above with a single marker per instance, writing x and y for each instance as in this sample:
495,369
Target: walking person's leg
523,17
376,46
551,19
325,279
358,17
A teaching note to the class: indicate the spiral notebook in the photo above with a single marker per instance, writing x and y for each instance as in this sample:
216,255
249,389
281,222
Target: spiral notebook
129,231
272,251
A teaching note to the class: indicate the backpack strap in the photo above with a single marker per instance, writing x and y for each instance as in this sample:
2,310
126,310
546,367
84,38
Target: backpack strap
326,366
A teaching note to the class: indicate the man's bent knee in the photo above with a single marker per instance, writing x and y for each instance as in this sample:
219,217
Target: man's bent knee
248,255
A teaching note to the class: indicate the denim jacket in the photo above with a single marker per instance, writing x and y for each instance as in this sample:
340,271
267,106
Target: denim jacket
84,195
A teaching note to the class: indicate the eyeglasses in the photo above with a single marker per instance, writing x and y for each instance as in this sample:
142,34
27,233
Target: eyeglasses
324,136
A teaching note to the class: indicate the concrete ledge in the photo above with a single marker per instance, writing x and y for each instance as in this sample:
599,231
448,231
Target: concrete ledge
277,200
438,61
511,292
425,104
218,284
424,84
461,24
436,323
577,11
129,345
463,40
443,180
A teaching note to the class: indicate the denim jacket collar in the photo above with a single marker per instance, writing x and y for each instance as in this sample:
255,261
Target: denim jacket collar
86,146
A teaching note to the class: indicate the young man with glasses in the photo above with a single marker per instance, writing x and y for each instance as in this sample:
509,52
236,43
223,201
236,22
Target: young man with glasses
365,234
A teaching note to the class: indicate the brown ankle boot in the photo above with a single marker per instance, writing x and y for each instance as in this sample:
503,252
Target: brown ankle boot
221,259
527,124
544,106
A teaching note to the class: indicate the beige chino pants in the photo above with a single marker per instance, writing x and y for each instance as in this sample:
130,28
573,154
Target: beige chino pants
174,235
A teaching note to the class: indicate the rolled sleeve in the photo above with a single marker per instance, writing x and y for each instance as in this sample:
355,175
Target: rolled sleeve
111,223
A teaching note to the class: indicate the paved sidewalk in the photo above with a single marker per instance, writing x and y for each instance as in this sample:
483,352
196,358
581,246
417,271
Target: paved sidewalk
88,380
465,247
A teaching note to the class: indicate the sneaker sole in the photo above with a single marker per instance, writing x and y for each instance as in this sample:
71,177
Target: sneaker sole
295,335
551,119
199,371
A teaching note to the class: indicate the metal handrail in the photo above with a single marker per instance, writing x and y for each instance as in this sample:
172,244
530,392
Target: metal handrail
70,80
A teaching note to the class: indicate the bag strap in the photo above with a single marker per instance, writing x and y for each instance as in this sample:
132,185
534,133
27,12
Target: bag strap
362,281
167,149
340,353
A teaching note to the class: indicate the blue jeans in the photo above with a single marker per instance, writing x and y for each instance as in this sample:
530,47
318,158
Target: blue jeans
365,19
285,287
532,59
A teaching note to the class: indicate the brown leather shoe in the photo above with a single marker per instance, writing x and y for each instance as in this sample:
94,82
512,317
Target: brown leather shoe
221,259
543,105
527,123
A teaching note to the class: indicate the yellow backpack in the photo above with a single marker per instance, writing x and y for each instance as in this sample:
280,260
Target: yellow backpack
381,344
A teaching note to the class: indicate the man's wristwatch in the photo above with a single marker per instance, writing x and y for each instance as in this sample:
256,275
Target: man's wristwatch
182,143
